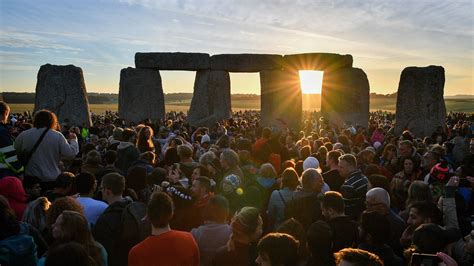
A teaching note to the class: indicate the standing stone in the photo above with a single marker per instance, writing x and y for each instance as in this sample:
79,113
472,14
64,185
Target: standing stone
420,102
61,89
200,108
281,99
141,95
219,93
345,97
317,61
172,61
246,62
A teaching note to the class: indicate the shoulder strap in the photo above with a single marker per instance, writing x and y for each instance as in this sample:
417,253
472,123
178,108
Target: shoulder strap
38,142
281,197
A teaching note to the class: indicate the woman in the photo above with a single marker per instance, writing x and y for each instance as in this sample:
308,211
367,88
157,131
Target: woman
410,171
44,161
145,139
279,198
73,226
389,154
35,213
60,205
241,249
418,191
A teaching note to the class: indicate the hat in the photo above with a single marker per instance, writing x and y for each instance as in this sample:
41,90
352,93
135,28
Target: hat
377,145
233,181
205,138
310,162
439,173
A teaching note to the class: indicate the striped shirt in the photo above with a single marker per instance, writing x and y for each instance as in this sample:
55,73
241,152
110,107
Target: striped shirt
9,164
353,191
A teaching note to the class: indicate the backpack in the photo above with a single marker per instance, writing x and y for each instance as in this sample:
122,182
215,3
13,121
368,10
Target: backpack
134,227
18,249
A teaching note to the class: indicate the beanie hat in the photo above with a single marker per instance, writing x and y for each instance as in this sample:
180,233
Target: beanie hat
233,181
439,173
310,162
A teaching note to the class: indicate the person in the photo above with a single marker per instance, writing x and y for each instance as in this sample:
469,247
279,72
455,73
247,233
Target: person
277,249
64,185
110,158
166,246
201,191
280,198
378,200
375,234
44,162
261,148
110,230
69,253
246,228
186,162
93,163
17,248
405,150
145,140
357,257
32,187
354,187
9,163
35,213
320,244
12,189
215,232
86,185
345,231
419,213
332,176
410,171
305,206
229,160
73,226
127,153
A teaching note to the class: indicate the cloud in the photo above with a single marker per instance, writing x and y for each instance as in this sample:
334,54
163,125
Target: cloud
17,39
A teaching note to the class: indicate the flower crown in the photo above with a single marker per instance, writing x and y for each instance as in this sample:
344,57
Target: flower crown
178,193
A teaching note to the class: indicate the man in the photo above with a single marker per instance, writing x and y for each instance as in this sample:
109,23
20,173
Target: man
305,205
354,188
62,186
429,160
166,246
9,164
405,150
201,192
419,213
374,235
111,229
261,148
86,186
127,152
332,176
345,231
378,200
352,256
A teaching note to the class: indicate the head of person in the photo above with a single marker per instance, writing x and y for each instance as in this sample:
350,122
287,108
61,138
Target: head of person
86,184
69,253
423,212
378,200
145,137
47,119
4,112
431,238
35,213
65,183
311,162
267,171
110,157
332,158
32,186
312,180
357,257
112,186
320,241
267,133
389,151
149,157
185,152
246,227
374,228
377,180
405,148
277,249
347,165
216,210
409,165
156,177
295,229
332,204
429,159
129,135
419,191
201,187
289,179
160,209
201,170
229,159
59,206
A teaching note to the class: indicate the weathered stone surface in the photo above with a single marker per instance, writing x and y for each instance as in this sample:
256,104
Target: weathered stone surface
219,93
200,107
61,89
141,95
172,61
317,61
246,62
420,102
345,97
281,99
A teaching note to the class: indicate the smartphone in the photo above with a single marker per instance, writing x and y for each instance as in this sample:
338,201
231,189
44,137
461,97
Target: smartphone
420,259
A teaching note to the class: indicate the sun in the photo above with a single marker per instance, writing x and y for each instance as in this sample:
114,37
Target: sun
311,81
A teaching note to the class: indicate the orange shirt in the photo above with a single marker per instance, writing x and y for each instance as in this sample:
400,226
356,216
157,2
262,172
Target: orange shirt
171,248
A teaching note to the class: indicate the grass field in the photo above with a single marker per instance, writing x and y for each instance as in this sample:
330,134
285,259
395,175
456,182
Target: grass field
454,105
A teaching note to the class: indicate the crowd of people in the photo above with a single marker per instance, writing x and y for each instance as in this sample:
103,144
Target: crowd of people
237,193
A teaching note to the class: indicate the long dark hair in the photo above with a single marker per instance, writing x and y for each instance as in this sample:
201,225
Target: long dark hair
47,119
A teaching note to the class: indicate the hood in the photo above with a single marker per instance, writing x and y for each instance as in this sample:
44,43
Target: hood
12,188
123,145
